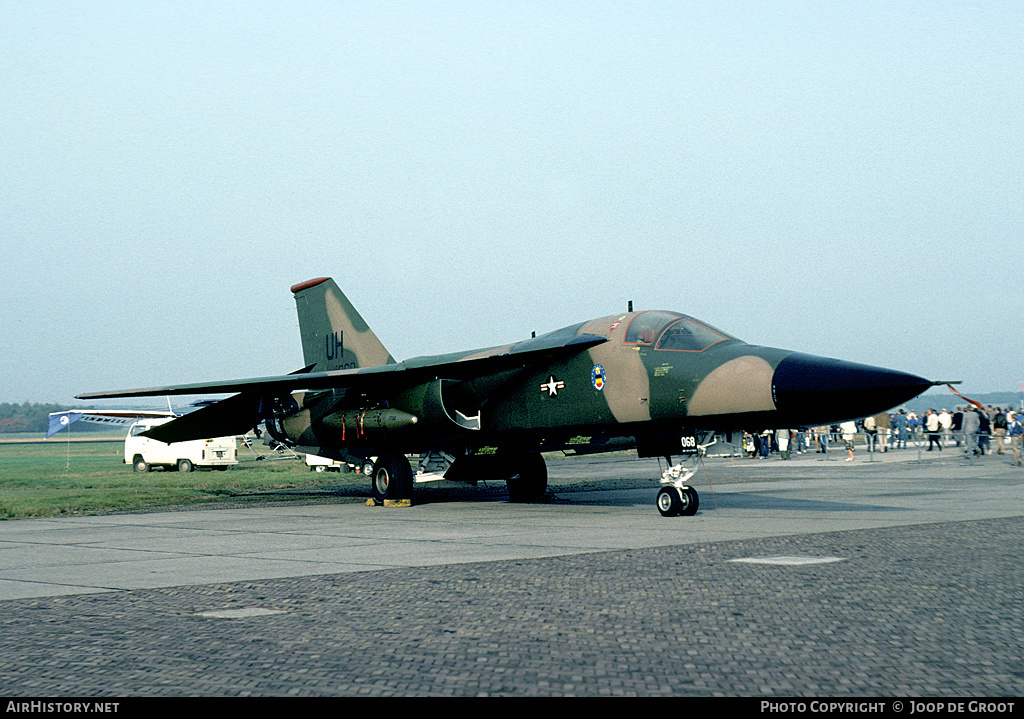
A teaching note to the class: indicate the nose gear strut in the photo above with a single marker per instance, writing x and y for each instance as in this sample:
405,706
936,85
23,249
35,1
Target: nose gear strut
676,497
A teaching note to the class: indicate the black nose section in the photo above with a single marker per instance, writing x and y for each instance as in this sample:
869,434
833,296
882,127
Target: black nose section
817,390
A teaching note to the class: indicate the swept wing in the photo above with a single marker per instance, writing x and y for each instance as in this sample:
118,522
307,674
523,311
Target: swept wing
239,413
414,371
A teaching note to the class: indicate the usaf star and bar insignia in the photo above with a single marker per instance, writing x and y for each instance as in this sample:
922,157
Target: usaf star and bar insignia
552,386
598,377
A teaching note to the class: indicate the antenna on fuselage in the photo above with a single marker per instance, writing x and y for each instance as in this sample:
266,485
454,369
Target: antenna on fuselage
630,306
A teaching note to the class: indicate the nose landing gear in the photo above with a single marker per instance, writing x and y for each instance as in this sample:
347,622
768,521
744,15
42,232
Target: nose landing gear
673,501
676,497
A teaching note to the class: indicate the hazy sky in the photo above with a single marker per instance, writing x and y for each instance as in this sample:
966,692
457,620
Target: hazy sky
844,179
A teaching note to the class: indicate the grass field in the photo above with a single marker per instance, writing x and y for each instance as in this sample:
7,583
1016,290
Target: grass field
55,477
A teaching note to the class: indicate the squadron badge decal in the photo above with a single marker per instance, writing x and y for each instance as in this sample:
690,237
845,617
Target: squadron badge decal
597,377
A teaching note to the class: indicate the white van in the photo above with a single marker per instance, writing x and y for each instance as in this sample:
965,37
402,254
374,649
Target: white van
142,453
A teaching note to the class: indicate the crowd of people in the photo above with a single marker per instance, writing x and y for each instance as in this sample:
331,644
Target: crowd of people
973,430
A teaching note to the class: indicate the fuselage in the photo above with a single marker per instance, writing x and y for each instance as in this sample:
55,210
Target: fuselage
658,376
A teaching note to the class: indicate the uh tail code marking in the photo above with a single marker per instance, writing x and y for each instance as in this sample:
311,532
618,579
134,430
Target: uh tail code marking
334,347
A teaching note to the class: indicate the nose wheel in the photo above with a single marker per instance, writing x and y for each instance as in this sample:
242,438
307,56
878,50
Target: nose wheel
675,501
676,497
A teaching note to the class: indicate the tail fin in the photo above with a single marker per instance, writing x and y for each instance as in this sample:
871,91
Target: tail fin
334,336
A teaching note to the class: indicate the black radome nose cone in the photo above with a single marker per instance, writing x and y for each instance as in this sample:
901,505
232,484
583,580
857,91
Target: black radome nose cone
817,390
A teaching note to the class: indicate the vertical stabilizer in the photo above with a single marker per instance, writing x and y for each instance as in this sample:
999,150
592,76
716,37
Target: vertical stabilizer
334,336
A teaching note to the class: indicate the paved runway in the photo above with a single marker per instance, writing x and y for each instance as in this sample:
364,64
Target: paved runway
898,577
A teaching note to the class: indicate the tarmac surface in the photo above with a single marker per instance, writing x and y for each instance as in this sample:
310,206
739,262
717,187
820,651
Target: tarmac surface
895,577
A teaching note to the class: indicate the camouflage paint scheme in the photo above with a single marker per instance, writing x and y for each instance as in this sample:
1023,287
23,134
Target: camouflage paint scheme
635,379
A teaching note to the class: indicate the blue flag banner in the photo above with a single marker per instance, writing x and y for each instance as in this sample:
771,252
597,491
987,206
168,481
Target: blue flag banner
61,420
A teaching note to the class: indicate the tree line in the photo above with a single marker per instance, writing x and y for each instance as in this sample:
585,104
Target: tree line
28,416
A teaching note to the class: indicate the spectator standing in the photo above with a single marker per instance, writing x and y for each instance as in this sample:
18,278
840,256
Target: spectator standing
822,433
999,427
1015,430
870,432
931,423
969,431
884,425
946,423
984,432
849,430
900,426
782,437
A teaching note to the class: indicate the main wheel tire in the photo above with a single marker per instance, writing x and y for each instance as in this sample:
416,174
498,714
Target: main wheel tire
690,501
668,501
530,482
391,478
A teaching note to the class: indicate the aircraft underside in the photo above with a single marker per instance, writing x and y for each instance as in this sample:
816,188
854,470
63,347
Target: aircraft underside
513,457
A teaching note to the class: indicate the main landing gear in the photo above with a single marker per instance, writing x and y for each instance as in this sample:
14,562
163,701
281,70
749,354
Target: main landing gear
391,478
530,479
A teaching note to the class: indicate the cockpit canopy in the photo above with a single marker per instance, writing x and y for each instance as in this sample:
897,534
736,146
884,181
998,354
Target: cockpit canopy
672,332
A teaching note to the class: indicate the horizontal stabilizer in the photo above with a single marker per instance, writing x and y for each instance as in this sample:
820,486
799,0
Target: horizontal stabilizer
232,416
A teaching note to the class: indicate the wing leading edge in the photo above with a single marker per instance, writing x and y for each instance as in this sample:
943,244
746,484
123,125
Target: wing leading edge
460,366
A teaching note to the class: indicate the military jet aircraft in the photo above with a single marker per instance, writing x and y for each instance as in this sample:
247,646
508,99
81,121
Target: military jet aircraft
660,382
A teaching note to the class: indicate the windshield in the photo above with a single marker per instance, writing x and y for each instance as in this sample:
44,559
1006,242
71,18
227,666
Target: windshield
688,335
646,327
672,332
